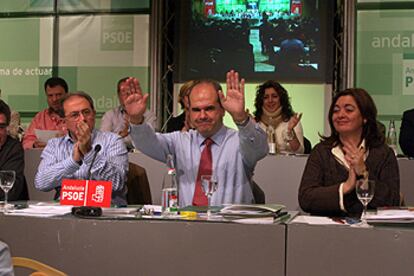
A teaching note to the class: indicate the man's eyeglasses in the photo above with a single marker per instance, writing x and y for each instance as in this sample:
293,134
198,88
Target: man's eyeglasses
73,116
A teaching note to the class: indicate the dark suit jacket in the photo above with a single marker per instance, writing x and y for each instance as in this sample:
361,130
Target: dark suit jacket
12,158
407,133
319,188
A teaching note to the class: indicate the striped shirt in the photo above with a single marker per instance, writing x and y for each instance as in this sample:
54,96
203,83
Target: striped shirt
111,164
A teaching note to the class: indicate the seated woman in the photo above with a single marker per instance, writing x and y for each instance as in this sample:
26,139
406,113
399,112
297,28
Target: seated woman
181,122
276,117
355,150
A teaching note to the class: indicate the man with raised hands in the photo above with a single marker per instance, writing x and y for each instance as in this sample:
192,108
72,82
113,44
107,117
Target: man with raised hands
210,148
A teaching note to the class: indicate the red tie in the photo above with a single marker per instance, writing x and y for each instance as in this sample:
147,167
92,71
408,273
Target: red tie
205,168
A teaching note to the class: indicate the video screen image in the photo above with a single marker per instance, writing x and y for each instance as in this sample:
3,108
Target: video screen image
283,39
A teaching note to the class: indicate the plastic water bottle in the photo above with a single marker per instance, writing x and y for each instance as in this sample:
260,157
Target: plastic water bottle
392,137
169,192
271,140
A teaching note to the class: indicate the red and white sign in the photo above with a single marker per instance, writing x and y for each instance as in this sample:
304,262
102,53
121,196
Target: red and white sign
296,7
86,193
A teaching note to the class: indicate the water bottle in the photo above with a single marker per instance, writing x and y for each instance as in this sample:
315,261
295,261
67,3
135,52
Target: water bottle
271,140
392,137
169,192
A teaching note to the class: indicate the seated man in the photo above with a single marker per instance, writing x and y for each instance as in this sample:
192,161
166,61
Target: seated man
407,133
211,148
48,119
14,129
116,120
70,156
11,157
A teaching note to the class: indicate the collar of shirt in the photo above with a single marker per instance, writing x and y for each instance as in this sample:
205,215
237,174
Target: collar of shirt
217,138
121,109
340,157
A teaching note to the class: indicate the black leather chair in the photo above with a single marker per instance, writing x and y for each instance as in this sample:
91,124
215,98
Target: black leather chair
307,145
138,186
258,194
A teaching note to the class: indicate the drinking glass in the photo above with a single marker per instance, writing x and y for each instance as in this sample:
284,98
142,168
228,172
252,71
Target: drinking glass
209,185
7,179
365,192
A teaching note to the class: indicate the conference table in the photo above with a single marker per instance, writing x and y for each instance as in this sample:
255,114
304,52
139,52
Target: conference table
344,250
163,247
146,247
278,176
159,247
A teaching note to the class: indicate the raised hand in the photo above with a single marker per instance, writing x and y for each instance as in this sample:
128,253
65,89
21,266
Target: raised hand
233,101
136,102
294,120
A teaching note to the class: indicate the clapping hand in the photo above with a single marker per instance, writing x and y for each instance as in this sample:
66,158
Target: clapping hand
84,141
233,101
354,155
136,102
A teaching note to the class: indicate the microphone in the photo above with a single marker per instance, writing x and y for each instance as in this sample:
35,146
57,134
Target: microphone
89,211
96,150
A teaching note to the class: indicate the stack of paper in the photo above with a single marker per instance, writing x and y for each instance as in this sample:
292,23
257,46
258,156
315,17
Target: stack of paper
46,135
316,220
253,210
391,216
41,211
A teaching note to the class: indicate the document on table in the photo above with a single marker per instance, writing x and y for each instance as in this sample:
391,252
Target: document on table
404,215
314,220
260,220
42,210
45,135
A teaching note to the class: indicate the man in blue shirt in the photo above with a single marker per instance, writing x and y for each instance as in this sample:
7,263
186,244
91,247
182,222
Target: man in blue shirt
116,120
71,156
6,266
234,153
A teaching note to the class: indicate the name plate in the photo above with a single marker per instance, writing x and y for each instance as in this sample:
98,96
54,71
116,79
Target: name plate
86,193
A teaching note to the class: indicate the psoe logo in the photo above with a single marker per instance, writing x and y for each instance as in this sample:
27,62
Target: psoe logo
98,196
117,33
408,77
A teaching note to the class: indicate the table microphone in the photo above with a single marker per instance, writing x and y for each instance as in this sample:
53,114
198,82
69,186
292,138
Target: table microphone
89,211
96,150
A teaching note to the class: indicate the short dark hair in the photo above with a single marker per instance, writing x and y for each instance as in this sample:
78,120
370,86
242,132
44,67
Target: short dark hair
56,81
368,110
216,85
74,94
287,110
5,109
118,86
